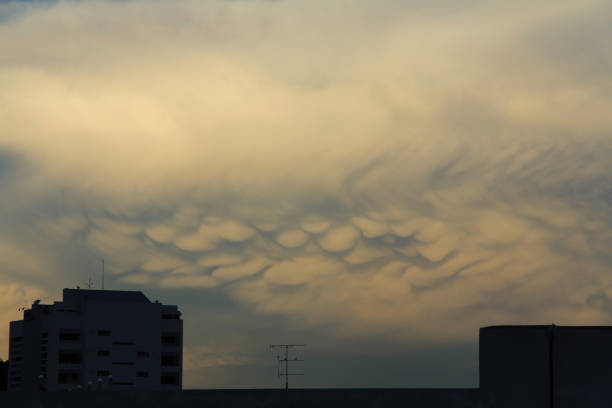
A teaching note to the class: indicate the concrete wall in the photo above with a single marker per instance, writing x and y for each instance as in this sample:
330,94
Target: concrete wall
357,398
536,366
582,366
3,375
133,327
515,364
583,357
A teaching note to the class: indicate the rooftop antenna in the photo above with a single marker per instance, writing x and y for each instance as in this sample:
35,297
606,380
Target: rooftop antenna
89,283
102,274
286,360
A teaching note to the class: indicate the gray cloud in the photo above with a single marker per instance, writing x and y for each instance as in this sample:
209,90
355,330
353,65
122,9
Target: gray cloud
357,171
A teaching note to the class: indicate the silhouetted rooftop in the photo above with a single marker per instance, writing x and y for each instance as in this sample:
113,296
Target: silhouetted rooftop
106,295
519,326
542,326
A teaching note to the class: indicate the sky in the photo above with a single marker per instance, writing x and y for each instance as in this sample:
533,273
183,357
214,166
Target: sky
374,179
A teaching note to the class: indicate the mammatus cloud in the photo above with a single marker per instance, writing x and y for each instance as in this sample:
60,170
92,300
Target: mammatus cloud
292,238
392,170
339,239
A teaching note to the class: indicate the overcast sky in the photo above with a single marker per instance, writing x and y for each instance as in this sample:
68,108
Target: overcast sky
377,179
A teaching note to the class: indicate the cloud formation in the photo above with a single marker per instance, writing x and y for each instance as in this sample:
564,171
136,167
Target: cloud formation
395,169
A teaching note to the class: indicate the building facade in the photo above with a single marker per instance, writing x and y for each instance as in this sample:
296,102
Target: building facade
546,366
97,340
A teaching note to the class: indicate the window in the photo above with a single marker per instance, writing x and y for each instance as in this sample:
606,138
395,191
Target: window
124,343
104,332
43,335
15,359
102,373
43,355
170,338
142,374
69,335
103,353
16,379
143,354
69,357
125,363
169,379
68,377
122,383
16,339
170,360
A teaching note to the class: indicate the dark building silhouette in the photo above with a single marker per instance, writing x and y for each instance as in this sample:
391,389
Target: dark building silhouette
546,366
3,375
543,366
96,340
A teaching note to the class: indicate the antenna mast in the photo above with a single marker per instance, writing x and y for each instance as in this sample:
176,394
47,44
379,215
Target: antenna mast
286,360
102,274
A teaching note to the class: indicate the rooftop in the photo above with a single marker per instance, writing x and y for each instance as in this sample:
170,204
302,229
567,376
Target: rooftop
106,295
546,326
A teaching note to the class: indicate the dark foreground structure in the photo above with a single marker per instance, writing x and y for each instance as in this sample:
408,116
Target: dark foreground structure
298,398
520,366
3,375
97,340
546,366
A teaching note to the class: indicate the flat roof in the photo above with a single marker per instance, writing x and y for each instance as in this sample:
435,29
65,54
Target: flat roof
545,326
106,295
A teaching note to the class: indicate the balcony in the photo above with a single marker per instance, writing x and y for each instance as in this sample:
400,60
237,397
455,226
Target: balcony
70,357
69,336
170,360
169,379
171,339
69,377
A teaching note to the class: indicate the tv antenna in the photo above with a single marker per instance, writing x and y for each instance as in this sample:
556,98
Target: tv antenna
89,283
285,359
102,274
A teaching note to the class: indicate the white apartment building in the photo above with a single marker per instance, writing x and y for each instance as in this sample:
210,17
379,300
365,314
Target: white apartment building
97,340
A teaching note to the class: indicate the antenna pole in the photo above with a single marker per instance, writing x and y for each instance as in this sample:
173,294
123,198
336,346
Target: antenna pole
286,360
102,274
286,368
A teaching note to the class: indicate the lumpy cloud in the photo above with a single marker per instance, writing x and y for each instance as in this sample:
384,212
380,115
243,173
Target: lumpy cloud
351,166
